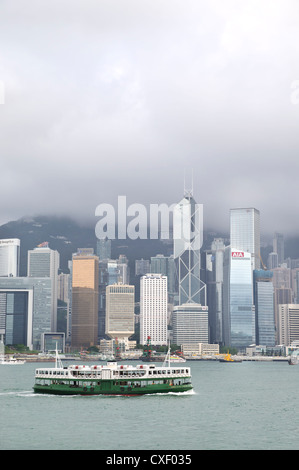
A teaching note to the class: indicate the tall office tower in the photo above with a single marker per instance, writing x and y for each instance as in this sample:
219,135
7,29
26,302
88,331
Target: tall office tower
264,307
104,248
25,310
110,272
63,287
278,247
153,309
245,233
165,265
187,235
85,285
44,262
214,274
288,324
238,310
120,303
142,266
9,257
272,260
190,324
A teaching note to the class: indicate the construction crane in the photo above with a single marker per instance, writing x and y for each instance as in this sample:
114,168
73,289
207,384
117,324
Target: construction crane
264,267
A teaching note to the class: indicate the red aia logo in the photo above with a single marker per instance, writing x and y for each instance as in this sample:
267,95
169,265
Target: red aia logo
237,254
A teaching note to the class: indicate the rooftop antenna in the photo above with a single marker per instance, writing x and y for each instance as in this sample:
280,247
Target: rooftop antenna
188,192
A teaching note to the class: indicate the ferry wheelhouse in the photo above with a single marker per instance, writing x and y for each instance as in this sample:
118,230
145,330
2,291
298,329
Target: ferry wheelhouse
112,379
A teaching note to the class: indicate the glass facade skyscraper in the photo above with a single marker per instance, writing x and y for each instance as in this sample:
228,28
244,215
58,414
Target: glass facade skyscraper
85,285
238,309
245,232
264,307
44,262
25,310
187,234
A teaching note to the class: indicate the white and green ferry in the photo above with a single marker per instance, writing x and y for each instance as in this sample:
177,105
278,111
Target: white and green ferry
112,379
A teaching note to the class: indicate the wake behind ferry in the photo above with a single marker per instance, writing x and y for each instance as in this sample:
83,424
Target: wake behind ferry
112,379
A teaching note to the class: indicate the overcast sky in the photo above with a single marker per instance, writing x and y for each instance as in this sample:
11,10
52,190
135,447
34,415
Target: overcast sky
119,97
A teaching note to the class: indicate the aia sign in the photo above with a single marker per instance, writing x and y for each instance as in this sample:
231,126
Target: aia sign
237,254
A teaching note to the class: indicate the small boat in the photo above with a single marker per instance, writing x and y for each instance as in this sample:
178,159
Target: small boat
176,358
149,356
11,361
228,358
112,379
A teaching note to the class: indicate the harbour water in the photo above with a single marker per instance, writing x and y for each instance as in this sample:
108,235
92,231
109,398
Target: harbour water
238,406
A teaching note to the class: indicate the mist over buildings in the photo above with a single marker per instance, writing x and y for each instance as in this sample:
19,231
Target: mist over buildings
113,98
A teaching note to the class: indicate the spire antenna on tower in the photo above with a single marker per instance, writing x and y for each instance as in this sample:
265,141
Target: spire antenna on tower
188,192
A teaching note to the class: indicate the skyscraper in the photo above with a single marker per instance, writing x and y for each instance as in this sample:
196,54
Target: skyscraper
245,233
85,284
9,257
190,324
238,310
153,309
104,248
264,307
214,270
44,262
187,234
278,247
25,310
120,303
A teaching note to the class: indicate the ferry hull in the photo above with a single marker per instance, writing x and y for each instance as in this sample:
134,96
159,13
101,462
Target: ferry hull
109,389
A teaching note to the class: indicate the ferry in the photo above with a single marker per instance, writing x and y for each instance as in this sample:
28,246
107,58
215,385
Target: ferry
112,379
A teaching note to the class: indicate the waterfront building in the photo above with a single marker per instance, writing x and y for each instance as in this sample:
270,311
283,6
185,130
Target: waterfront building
85,285
238,308
153,309
200,349
288,324
51,341
187,236
245,232
264,307
120,303
190,324
9,257
44,262
25,310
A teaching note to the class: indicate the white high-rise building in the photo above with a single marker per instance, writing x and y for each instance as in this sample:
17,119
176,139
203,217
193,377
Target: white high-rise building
288,324
9,257
44,262
245,232
190,324
153,309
